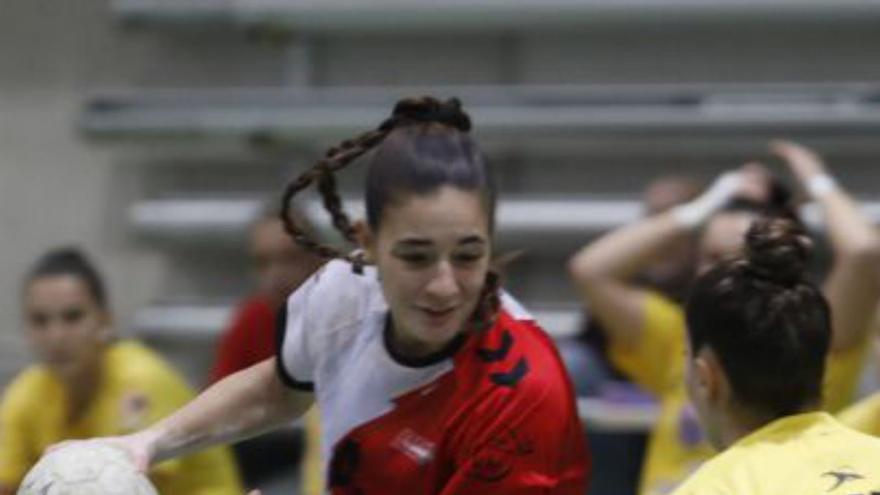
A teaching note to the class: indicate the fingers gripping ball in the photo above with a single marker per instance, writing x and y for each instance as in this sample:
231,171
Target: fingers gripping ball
86,469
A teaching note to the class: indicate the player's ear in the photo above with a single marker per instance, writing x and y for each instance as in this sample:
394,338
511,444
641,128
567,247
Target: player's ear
710,381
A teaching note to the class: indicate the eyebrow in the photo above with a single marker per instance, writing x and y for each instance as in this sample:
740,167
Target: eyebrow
472,239
421,242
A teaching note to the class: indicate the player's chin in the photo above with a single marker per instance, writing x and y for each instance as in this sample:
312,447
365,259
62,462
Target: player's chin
442,333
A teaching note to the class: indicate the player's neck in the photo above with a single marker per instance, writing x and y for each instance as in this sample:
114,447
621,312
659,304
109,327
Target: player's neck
739,424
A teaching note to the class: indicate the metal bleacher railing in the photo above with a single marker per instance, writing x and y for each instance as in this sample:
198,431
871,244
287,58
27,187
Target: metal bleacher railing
400,16
500,112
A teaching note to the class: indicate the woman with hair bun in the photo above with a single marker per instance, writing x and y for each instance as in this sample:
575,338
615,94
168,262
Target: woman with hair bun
429,378
758,335
87,383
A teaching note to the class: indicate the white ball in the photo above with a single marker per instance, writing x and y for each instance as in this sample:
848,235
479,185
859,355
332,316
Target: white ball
88,468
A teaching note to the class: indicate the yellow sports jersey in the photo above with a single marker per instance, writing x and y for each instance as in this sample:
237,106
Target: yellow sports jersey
863,416
137,388
677,447
802,454
312,465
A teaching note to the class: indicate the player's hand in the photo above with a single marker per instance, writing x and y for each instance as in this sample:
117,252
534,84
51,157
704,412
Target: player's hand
755,182
255,492
803,162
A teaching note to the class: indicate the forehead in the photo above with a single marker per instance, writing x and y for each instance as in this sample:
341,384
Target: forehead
60,290
446,211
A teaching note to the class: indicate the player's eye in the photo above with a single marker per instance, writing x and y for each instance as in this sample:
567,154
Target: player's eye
72,316
415,258
38,320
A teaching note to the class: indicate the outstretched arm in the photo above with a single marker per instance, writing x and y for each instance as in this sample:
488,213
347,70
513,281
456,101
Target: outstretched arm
853,284
240,406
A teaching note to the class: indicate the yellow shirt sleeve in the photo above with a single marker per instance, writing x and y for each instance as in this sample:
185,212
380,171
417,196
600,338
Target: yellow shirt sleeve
655,361
15,459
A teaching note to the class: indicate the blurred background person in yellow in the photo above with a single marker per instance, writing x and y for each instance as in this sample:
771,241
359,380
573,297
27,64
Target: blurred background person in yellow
89,384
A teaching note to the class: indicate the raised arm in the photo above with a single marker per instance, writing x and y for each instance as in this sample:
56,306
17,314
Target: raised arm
853,284
603,270
240,406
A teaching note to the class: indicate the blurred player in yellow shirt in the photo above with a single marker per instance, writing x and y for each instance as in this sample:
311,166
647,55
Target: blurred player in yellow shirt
646,331
758,334
86,385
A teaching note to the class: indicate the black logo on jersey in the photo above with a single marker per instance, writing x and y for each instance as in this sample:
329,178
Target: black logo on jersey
490,467
512,442
344,463
493,355
512,377
841,478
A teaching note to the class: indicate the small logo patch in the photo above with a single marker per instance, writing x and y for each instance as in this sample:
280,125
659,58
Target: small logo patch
414,446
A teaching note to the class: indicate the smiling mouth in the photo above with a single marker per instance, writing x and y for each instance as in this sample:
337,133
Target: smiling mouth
438,313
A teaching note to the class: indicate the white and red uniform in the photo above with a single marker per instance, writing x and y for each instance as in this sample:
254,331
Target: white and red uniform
494,412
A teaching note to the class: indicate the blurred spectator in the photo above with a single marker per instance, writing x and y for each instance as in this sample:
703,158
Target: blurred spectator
280,267
617,469
87,384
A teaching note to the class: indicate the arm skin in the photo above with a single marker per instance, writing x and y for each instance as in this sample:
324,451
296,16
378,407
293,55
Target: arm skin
240,406
603,270
853,284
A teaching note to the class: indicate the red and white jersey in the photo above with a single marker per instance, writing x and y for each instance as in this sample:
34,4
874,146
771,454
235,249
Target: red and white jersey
494,412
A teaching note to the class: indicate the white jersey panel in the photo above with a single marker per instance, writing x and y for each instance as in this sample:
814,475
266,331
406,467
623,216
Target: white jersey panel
334,339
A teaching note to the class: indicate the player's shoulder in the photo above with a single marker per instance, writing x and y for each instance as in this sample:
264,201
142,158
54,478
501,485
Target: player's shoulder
336,296
516,355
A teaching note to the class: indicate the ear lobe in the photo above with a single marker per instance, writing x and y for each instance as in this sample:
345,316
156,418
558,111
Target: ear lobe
710,376
706,379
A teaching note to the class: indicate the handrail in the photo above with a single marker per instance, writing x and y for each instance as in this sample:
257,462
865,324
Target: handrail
420,16
499,112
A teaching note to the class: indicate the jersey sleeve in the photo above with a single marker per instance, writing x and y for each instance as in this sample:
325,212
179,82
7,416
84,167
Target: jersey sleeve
319,317
14,453
653,361
521,444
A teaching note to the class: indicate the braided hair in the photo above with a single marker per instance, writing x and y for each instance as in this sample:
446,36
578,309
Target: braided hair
423,145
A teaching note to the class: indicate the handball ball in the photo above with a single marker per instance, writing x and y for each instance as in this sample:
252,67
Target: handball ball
89,468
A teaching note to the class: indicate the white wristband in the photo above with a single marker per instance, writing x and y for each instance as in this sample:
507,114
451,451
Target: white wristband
820,185
695,213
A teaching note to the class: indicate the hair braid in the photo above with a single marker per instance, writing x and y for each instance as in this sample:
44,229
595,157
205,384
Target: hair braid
406,112
489,303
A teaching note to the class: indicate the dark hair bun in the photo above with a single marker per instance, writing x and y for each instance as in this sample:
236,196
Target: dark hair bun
778,250
430,109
